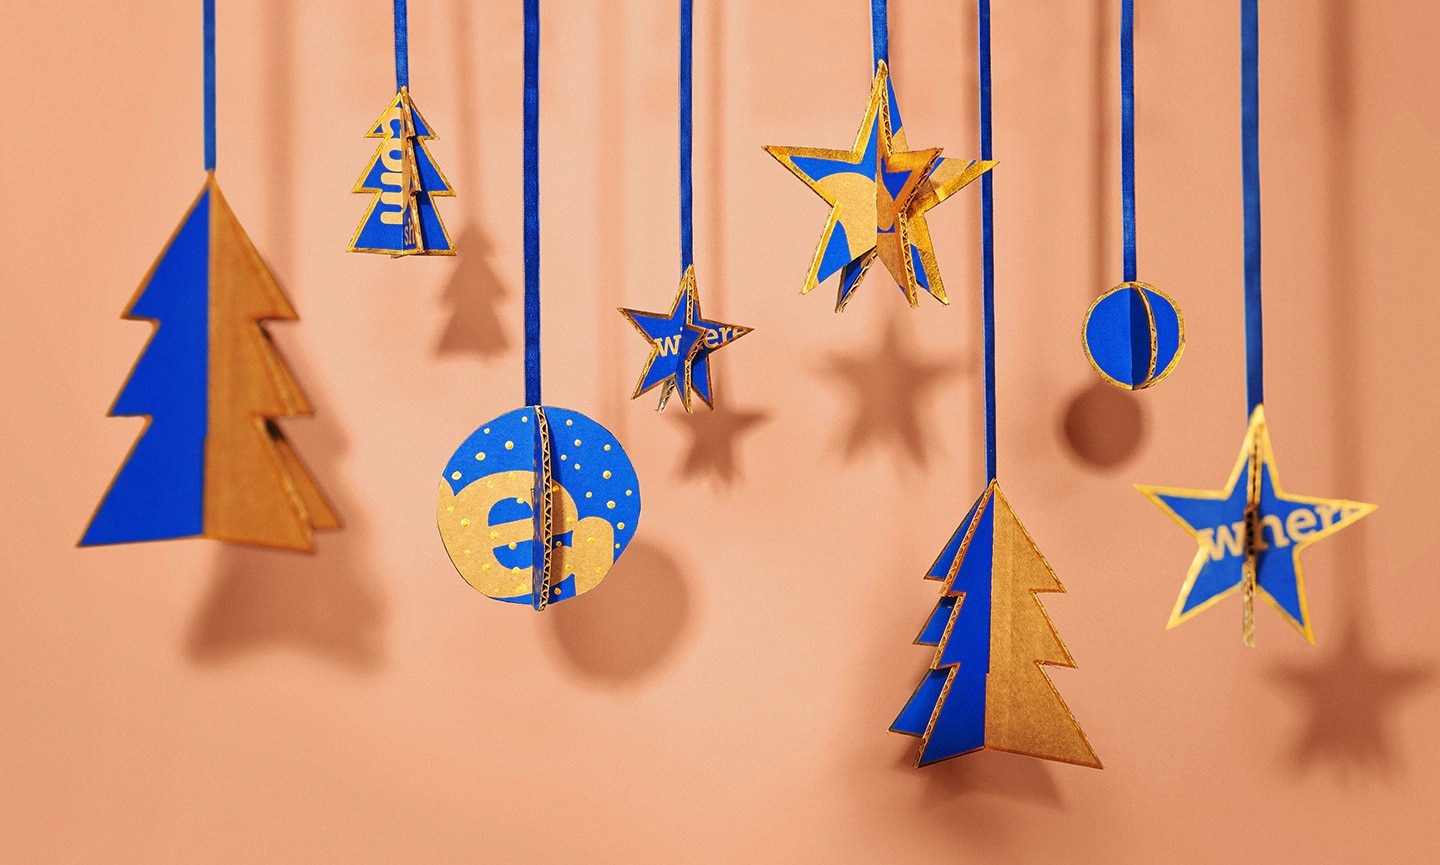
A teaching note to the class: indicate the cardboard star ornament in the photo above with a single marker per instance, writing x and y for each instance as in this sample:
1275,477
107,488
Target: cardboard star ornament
879,192
1251,534
681,342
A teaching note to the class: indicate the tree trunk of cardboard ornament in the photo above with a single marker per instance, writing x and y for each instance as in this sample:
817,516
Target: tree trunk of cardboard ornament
256,489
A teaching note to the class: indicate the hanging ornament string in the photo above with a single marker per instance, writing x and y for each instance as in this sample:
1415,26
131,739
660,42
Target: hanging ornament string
1127,136
687,124
1250,172
1133,334
880,31
1230,523
402,45
987,240
209,49
682,340
532,202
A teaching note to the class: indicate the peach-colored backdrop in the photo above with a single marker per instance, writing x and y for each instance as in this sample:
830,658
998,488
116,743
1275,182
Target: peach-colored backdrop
724,695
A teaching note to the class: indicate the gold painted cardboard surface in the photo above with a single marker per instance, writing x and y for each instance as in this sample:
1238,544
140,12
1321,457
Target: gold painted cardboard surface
257,490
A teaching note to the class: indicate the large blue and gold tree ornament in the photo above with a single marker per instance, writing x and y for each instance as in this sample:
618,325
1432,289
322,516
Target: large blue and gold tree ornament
879,192
211,460
987,687
1251,534
402,178
535,507
1133,334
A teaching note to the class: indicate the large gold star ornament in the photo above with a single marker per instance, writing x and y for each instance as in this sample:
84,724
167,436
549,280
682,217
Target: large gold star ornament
879,191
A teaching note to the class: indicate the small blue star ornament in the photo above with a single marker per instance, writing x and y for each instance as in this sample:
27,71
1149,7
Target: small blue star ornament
1251,535
879,191
681,342
537,505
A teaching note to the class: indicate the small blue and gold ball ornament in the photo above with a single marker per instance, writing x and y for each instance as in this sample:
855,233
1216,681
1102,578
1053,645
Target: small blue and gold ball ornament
1134,335
536,506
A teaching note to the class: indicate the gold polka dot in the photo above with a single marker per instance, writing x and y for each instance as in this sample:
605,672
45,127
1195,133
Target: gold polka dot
617,546
564,456
467,552
629,492
524,418
607,447
490,485
577,467
620,526
465,522
610,504
589,540
512,545
449,509
455,476
487,430
515,570
577,443
605,475
485,567
509,446
599,569
480,456
494,535
569,422
521,500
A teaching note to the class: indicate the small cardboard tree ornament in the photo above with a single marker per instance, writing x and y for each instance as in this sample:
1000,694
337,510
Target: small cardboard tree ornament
402,178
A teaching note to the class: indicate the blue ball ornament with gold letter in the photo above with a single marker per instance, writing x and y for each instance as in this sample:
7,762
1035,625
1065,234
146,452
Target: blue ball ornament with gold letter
537,505
1134,335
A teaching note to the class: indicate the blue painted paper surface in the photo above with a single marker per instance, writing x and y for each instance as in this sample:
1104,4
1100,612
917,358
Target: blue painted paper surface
159,491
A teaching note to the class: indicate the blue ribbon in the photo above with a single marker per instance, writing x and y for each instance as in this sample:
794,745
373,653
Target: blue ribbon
1250,170
402,45
687,123
880,30
1127,135
532,202
209,40
987,240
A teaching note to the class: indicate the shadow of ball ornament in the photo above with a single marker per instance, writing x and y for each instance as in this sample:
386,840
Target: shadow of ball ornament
536,506
1134,335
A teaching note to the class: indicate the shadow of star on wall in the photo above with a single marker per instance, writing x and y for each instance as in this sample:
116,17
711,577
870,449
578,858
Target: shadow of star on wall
889,387
1350,700
714,442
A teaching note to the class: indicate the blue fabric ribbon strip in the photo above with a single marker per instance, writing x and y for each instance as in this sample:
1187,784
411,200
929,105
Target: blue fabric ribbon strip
402,45
880,30
1250,170
987,240
532,202
209,42
687,123
1127,135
